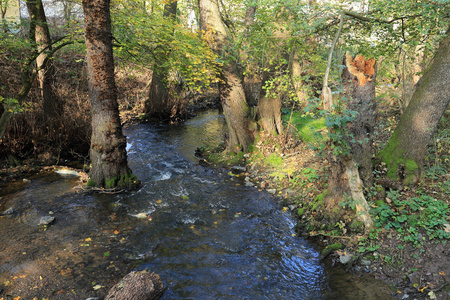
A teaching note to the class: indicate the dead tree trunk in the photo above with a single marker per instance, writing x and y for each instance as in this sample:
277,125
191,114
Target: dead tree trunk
358,79
351,171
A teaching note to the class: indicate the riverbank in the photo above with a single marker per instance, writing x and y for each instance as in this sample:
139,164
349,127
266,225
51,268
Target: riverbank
409,248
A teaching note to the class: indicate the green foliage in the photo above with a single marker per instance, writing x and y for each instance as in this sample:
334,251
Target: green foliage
150,38
413,218
304,177
11,104
337,130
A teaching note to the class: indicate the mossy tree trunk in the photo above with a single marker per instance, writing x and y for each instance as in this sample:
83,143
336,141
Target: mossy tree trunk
232,95
405,151
351,171
108,154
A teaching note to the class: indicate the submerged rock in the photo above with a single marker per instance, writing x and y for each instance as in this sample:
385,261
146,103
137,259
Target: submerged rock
47,220
238,169
345,259
137,285
365,262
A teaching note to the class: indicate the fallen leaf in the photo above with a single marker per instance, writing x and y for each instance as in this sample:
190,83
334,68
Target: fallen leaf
116,232
88,239
97,287
141,216
432,295
447,228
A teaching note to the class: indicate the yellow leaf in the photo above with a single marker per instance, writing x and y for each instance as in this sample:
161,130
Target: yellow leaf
88,239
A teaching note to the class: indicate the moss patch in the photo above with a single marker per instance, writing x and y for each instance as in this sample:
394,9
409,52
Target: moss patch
274,160
309,128
127,181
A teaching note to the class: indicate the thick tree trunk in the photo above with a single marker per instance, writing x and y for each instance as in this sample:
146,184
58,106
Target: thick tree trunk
405,152
231,90
161,103
40,35
269,112
351,172
108,154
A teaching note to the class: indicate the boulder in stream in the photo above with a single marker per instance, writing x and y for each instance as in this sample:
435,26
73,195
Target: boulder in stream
47,220
137,285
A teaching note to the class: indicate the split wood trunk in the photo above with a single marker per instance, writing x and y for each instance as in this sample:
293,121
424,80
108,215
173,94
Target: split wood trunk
351,172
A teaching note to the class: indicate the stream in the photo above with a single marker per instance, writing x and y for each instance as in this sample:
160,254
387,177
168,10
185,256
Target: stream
205,233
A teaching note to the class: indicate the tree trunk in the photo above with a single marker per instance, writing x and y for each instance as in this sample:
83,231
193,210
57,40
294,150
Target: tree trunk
269,112
405,152
231,90
296,77
351,172
40,35
360,92
161,103
107,153
252,84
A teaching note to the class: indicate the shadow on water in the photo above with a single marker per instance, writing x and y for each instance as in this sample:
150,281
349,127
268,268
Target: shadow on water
206,234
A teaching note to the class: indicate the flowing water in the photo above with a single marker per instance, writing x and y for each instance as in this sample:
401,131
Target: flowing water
206,234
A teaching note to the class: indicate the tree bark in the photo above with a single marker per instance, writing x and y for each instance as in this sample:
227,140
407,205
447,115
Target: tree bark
352,171
360,91
252,84
40,36
296,77
405,151
107,153
231,90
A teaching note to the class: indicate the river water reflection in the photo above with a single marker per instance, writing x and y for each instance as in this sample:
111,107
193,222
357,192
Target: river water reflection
206,234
